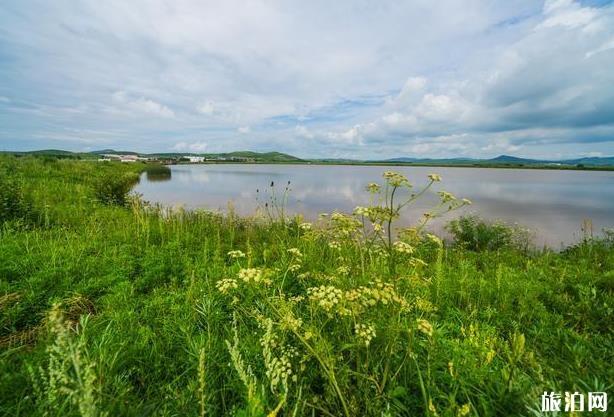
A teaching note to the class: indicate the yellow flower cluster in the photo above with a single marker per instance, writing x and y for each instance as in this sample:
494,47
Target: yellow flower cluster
235,254
436,240
435,177
416,262
326,296
226,285
364,332
343,270
333,244
253,275
379,292
395,179
361,211
403,247
464,410
446,196
484,341
297,259
425,327
278,368
305,226
373,188
295,252
290,322
424,305
343,225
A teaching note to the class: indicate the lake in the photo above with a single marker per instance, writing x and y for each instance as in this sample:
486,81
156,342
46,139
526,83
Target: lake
552,204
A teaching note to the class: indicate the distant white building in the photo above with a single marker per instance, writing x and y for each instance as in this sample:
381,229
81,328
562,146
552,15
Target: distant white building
195,159
121,158
128,158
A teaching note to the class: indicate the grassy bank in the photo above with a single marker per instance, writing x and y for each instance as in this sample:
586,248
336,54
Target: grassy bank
110,307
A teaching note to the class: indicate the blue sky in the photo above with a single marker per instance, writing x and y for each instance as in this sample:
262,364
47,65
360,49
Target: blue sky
355,78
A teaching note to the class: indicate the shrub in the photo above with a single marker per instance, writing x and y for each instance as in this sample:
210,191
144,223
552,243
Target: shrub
158,173
113,190
474,233
13,204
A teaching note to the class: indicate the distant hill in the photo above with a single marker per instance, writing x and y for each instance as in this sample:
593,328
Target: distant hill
112,151
595,161
506,160
257,156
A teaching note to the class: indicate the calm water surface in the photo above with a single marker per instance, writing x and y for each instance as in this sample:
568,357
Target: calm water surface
552,204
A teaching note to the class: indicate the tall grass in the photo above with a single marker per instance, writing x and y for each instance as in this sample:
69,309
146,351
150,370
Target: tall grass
133,310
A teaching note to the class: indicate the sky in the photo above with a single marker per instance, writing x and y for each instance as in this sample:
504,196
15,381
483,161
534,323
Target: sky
319,78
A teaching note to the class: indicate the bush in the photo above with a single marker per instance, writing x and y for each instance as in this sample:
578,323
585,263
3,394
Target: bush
476,234
113,190
13,204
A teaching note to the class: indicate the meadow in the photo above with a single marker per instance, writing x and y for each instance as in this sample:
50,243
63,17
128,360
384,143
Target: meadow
110,306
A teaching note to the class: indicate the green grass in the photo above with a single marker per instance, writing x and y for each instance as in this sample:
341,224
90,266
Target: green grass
109,307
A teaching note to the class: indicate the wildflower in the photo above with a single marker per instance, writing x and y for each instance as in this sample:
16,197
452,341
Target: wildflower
446,196
278,368
403,247
424,305
377,227
425,327
395,179
226,285
236,254
294,267
361,211
378,293
434,239
435,177
295,252
373,188
464,410
417,262
290,322
432,408
466,201
334,245
252,275
343,270
490,356
365,333
325,296
305,226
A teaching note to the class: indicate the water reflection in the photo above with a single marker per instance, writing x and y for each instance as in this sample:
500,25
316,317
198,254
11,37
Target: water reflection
551,203
158,173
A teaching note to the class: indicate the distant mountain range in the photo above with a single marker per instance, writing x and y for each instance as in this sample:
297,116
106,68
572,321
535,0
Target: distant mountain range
248,156
506,160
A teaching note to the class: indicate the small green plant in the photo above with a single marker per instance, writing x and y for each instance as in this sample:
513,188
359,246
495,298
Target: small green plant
13,202
473,233
69,379
113,190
